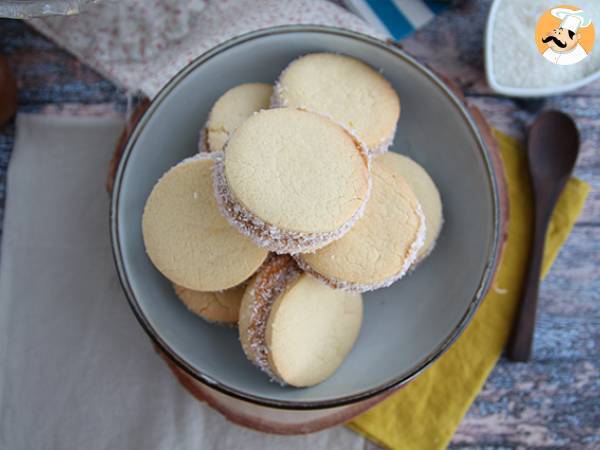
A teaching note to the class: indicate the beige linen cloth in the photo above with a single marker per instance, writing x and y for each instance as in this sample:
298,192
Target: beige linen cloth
76,370
141,44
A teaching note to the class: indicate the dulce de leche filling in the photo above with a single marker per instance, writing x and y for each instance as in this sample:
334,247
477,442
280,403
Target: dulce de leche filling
279,272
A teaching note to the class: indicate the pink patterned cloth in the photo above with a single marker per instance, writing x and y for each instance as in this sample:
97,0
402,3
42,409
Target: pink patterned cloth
141,44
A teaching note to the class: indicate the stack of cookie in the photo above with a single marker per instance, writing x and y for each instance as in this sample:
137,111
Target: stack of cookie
291,210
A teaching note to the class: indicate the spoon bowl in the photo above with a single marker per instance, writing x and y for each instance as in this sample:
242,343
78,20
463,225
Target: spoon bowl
552,148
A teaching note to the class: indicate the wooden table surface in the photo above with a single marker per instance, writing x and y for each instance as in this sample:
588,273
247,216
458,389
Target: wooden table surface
551,402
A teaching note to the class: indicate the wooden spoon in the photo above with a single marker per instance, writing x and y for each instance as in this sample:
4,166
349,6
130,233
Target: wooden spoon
8,93
552,149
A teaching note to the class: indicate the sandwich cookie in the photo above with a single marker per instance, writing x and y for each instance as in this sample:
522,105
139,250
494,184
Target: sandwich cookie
295,328
292,180
221,307
187,238
346,89
383,244
427,194
230,111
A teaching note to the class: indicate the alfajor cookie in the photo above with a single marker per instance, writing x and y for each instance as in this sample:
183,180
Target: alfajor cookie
187,238
383,244
427,194
292,180
295,328
222,307
230,111
346,89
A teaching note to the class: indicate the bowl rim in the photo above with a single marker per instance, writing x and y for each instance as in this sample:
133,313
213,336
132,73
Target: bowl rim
395,382
515,91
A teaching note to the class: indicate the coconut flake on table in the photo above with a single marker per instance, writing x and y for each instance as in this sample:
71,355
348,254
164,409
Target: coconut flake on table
517,61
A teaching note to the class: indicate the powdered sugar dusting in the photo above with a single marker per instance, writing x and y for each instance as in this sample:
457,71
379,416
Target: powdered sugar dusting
269,236
349,286
273,279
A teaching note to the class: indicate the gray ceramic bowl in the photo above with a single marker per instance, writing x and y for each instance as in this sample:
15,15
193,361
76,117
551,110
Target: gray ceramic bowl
407,325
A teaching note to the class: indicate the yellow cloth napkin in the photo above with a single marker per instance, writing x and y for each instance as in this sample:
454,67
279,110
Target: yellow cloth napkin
424,414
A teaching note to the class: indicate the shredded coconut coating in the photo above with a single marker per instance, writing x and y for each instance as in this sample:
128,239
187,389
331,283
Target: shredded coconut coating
350,286
277,100
269,236
277,274
384,145
428,252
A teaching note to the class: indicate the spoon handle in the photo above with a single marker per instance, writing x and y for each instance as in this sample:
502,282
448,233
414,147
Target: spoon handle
519,346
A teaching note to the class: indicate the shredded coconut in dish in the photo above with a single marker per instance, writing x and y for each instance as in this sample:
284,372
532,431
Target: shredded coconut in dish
517,61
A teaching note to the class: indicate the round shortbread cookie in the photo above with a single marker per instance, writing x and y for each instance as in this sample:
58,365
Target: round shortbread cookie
346,89
221,306
383,244
230,111
262,290
295,328
311,330
292,180
187,238
427,194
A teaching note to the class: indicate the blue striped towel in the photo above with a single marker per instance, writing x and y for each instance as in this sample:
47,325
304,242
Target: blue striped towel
396,18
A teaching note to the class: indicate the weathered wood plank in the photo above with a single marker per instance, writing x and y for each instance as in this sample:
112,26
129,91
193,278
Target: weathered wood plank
516,411
503,114
572,288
